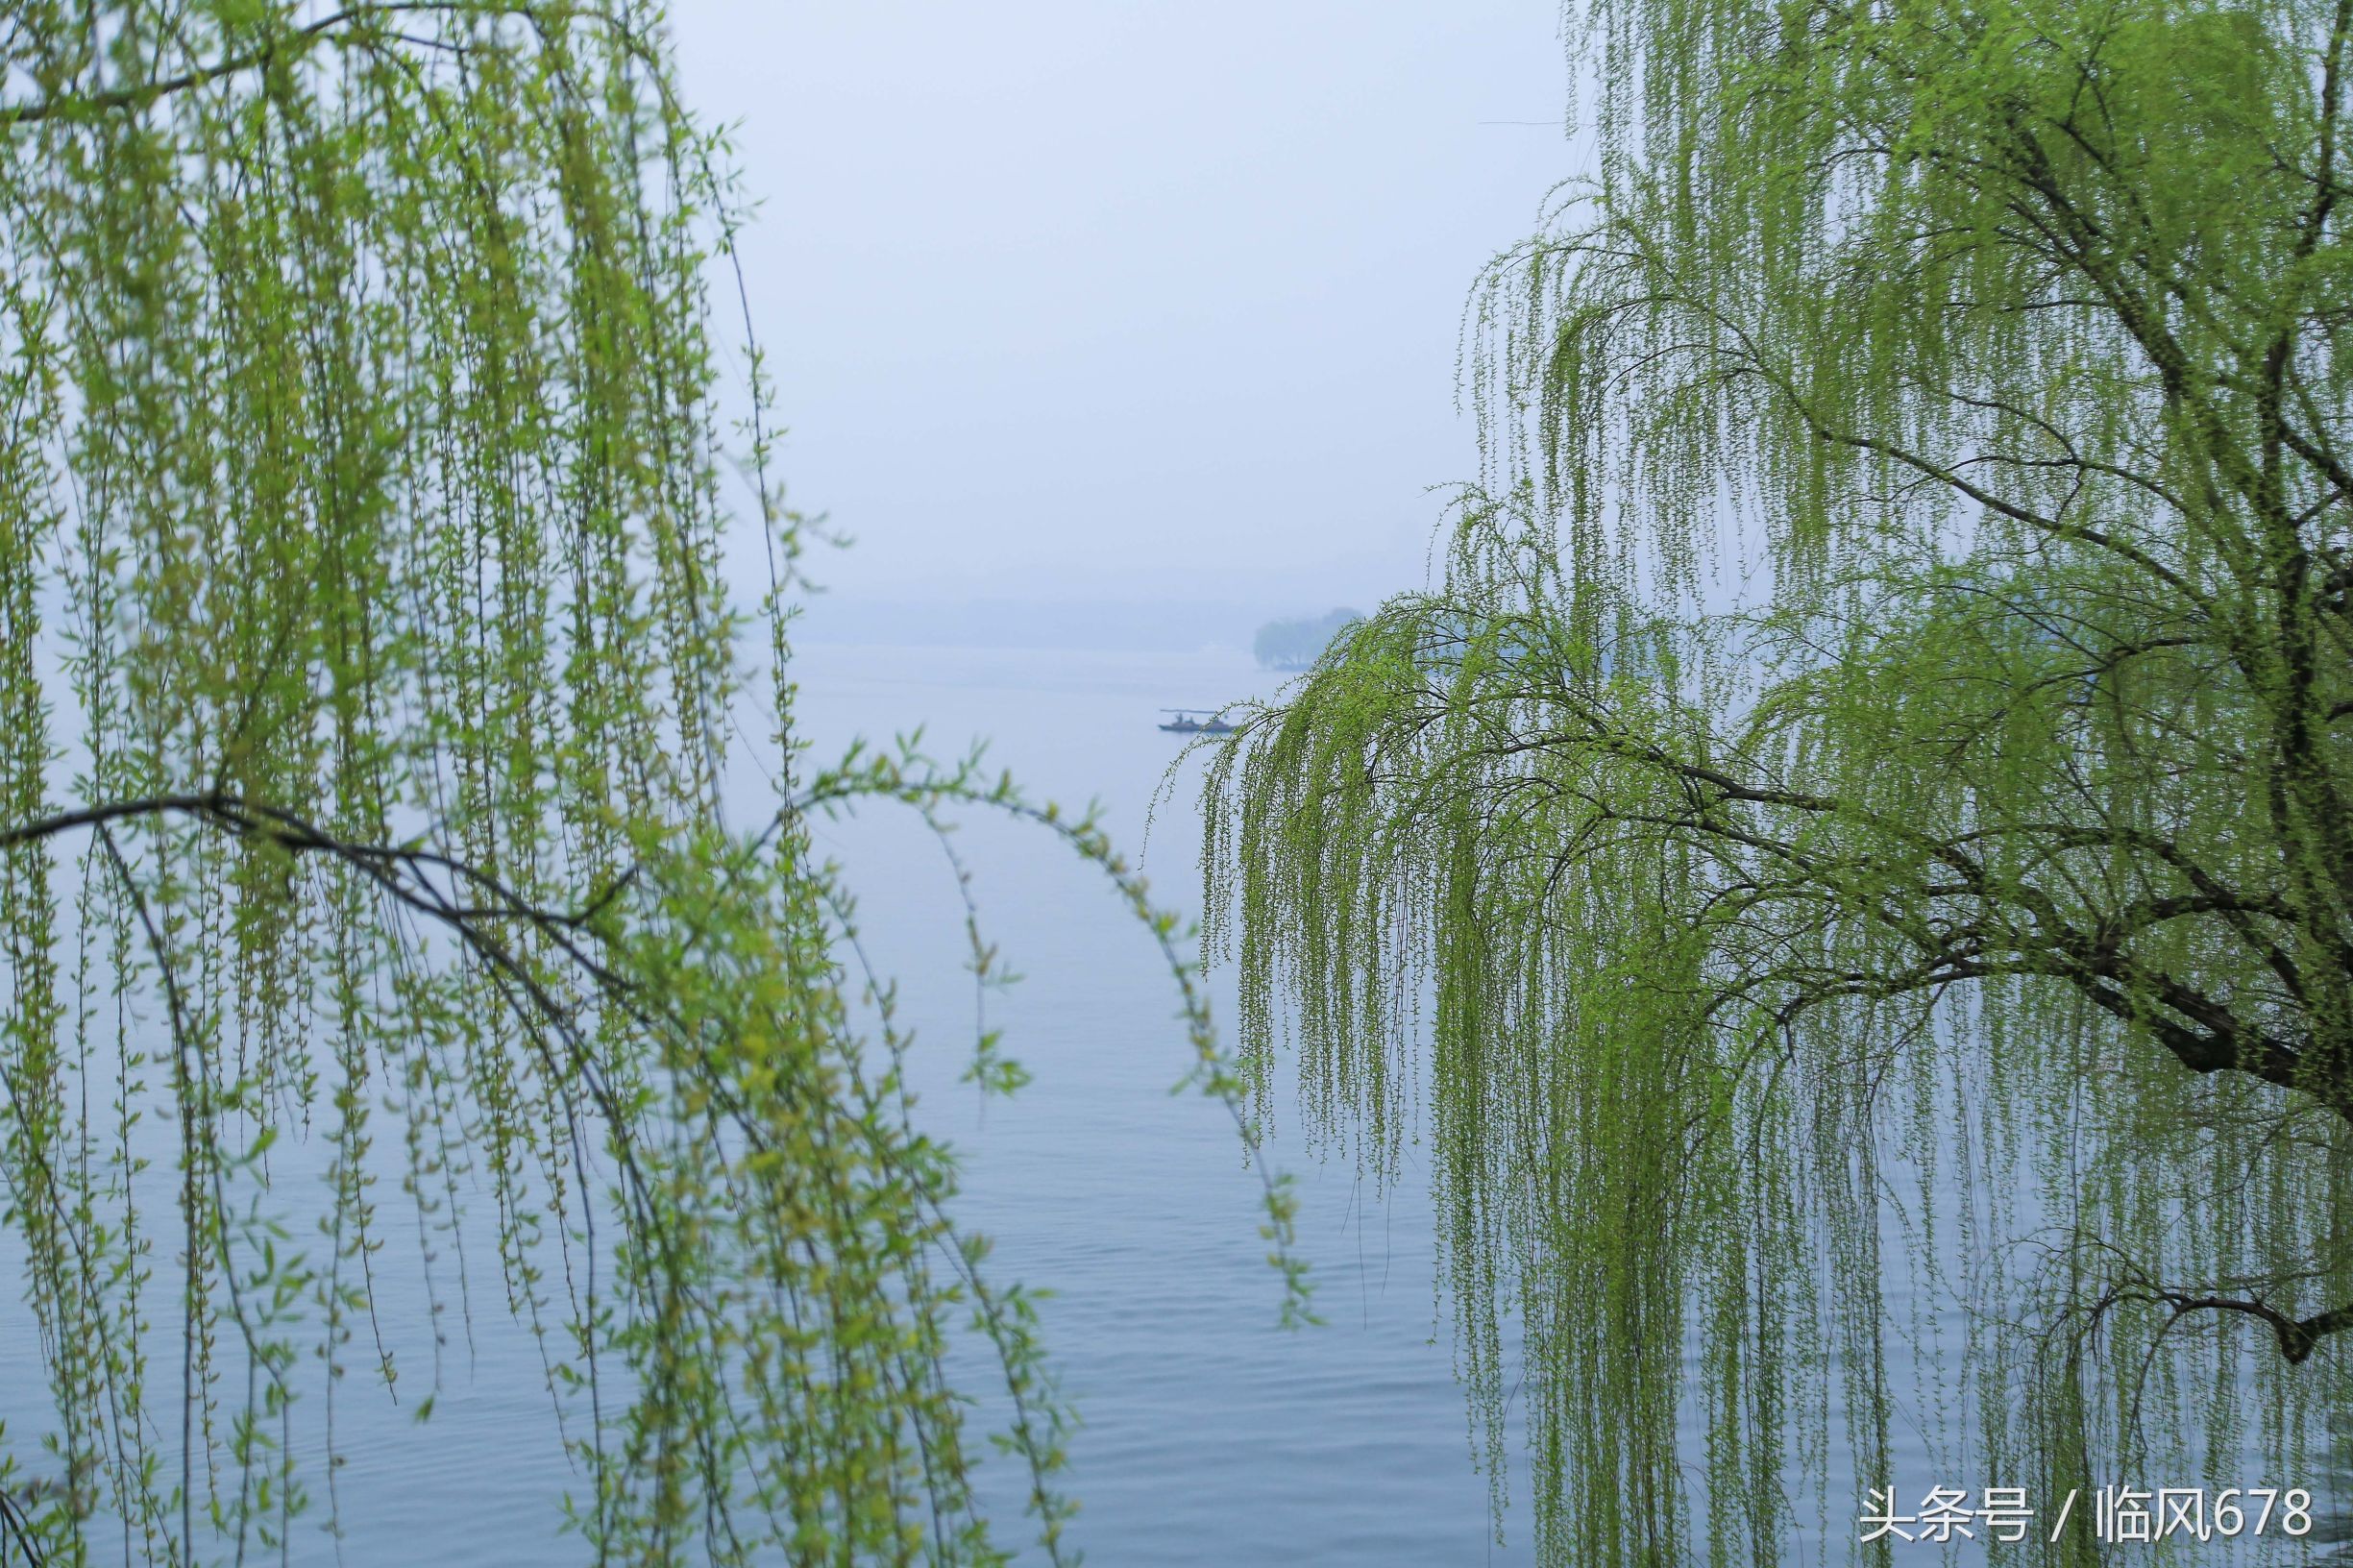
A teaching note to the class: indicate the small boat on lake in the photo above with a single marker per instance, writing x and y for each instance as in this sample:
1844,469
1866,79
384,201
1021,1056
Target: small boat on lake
1186,722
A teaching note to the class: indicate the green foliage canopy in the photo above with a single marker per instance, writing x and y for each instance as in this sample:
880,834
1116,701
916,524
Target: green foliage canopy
368,681
1982,878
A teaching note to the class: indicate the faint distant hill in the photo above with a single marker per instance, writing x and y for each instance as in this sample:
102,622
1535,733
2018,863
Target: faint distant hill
1294,644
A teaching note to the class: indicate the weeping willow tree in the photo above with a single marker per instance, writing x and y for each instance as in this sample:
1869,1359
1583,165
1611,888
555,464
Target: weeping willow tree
1857,841
372,690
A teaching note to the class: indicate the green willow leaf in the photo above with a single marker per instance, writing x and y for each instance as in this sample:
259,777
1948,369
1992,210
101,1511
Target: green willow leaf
368,680
1967,916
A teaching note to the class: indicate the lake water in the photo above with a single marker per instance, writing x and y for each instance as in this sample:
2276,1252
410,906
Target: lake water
1211,1434
1213,1437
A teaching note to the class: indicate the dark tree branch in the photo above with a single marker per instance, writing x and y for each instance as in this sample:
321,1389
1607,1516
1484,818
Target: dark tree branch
2299,1338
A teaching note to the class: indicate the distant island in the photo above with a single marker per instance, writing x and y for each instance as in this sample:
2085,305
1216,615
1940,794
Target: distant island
1294,644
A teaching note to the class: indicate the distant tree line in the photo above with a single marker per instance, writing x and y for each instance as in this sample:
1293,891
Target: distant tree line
1294,644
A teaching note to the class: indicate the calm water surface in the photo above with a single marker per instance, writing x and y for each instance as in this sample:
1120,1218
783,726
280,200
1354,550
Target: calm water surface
1211,1435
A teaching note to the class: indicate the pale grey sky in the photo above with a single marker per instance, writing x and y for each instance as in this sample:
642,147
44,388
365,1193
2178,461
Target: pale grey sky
1075,299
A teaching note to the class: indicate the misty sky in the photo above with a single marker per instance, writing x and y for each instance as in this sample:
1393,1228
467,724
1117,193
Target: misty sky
1085,299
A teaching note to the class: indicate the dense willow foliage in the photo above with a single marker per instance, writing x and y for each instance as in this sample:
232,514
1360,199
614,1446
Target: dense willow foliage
367,671
1863,827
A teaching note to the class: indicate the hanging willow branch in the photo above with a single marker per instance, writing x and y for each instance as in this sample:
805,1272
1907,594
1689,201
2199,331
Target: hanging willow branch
1963,916
369,684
